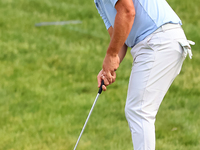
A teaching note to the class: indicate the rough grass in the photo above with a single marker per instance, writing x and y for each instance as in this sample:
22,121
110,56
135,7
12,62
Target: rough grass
48,81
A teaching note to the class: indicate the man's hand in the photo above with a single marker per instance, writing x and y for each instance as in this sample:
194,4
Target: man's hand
110,65
99,79
101,75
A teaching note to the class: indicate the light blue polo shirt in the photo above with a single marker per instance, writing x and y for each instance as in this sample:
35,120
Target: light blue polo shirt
150,15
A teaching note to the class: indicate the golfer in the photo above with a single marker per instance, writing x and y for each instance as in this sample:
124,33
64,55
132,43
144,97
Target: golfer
159,46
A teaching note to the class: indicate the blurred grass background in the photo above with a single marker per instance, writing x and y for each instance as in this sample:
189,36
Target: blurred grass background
48,81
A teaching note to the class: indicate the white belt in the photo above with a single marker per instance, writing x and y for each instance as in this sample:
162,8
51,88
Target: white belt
167,26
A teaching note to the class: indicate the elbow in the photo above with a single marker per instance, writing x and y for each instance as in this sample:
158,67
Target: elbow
130,13
125,8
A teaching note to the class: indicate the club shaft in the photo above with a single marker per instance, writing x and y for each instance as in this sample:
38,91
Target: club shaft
86,121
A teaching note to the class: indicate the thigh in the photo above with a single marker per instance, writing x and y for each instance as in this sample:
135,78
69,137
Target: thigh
157,61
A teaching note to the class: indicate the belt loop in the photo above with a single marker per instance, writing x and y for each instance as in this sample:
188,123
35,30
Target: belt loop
162,29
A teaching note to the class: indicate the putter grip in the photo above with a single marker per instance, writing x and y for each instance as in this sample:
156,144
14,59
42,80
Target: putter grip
100,89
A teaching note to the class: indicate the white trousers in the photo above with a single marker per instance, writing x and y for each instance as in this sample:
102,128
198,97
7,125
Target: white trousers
157,61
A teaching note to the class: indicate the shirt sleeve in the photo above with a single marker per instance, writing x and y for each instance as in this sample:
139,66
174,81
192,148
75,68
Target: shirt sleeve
113,2
102,13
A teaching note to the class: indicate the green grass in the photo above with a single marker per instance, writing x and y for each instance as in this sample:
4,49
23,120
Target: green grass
48,81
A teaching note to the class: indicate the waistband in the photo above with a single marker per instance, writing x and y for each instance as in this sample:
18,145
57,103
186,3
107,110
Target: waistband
167,26
184,43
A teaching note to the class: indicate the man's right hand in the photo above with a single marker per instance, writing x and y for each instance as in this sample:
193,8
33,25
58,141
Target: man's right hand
101,77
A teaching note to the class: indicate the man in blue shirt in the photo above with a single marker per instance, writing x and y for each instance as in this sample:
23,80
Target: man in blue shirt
159,46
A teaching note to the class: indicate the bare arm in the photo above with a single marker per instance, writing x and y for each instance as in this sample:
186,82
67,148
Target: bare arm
123,23
122,26
123,50
121,55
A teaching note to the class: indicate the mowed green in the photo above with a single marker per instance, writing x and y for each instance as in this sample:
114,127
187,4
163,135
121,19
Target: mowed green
48,81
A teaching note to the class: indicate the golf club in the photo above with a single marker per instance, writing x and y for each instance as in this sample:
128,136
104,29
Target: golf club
99,92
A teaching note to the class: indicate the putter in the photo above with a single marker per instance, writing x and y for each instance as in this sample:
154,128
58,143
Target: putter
99,92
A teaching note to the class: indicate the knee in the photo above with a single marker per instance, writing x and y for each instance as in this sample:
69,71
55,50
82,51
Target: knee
134,103
138,110
127,111
132,111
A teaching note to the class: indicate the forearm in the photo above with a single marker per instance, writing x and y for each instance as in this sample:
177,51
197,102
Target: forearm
122,52
123,49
